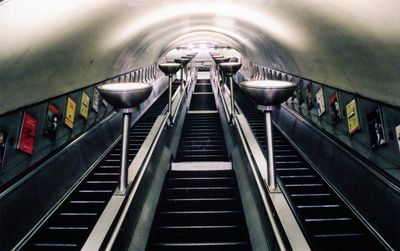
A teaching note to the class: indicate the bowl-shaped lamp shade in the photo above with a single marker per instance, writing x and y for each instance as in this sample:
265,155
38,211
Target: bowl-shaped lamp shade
221,60
268,92
217,56
230,67
125,95
169,68
183,61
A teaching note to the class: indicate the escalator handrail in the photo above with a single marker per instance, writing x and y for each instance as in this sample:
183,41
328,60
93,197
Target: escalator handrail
116,210
59,203
274,202
225,98
179,94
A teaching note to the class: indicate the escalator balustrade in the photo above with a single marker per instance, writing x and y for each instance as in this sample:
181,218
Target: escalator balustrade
325,219
200,209
70,225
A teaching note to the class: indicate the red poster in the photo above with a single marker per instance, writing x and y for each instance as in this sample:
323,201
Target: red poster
27,134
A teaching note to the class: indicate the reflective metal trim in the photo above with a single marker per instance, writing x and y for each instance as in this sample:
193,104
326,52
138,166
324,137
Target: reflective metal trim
114,212
258,164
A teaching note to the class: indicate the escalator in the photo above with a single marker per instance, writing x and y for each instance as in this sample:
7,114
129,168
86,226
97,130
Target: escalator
70,225
200,207
325,219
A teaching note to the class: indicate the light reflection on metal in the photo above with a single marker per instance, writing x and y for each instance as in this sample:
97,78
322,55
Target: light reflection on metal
230,68
169,69
125,96
267,94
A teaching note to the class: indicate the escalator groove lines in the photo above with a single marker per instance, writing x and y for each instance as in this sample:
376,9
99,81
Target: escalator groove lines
326,221
70,225
200,209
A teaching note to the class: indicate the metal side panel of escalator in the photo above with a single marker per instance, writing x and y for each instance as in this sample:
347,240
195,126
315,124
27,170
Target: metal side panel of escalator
68,227
325,219
200,206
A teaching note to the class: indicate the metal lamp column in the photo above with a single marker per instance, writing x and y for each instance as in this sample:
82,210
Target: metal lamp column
169,69
125,96
183,61
268,94
229,69
219,61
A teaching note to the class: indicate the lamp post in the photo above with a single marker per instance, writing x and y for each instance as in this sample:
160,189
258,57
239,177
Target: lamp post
124,97
268,94
229,69
218,61
183,62
169,69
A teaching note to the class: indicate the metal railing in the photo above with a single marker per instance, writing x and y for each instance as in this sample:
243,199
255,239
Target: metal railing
279,214
110,222
117,208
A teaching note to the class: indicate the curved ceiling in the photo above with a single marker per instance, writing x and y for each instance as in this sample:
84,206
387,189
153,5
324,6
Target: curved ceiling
52,47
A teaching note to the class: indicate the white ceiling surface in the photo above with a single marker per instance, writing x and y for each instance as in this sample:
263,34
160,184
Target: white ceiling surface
50,47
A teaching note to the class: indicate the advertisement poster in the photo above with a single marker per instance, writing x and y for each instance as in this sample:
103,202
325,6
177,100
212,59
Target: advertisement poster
309,97
334,108
398,135
96,100
352,117
53,119
26,140
376,128
3,144
70,113
320,102
85,102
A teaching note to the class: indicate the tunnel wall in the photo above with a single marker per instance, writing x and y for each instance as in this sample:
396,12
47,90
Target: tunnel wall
384,157
366,178
16,162
372,196
35,194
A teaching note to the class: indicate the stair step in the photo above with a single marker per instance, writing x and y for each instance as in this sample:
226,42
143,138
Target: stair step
200,181
217,217
200,192
216,246
222,233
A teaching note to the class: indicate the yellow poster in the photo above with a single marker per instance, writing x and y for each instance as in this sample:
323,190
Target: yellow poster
70,113
85,100
352,117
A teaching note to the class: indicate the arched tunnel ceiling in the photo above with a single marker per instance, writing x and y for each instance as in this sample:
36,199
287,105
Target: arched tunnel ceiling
52,47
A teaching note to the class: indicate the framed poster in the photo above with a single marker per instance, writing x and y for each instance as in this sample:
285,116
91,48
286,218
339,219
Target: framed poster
96,100
398,135
53,119
334,108
70,113
376,128
352,117
3,145
309,97
26,139
320,101
85,102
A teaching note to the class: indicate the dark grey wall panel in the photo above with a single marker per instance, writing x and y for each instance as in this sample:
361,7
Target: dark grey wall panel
372,195
24,206
16,162
385,157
